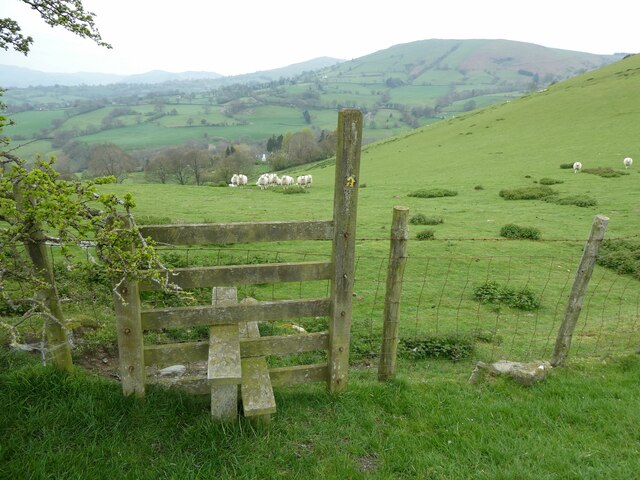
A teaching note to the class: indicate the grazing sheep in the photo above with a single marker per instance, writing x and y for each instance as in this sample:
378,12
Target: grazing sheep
234,180
627,162
309,180
577,166
242,179
301,180
286,181
263,181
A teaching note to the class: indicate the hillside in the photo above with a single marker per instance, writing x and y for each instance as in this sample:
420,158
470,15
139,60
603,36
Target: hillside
399,89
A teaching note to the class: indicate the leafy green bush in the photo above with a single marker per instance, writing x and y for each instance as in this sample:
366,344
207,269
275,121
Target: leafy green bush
577,200
550,181
421,219
433,193
538,192
566,166
427,234
452,347
478,187
622,256
494,293
515,231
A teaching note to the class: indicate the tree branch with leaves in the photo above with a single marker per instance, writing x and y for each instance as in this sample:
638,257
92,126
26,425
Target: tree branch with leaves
68,14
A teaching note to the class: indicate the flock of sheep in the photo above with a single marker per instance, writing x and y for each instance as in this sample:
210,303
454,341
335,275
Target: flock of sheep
627,162
267,180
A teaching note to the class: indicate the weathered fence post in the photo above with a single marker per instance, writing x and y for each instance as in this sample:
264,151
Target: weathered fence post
129,330
345,203
395,274
578,290
58,343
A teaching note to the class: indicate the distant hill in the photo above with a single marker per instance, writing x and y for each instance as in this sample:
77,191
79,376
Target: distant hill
19,77
482,62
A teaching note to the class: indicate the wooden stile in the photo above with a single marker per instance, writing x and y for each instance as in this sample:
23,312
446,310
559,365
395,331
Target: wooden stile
235,353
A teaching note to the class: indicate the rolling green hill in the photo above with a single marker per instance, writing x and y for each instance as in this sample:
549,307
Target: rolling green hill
400,88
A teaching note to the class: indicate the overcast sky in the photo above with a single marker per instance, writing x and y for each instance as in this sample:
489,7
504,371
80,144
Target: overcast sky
232,37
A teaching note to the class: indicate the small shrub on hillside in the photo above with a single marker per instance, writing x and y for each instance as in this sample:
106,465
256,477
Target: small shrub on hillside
433,193
622,256
478,187
566,166
427,234
515,231
452,347
577,200
605,172
293,190
550,181
496,294
528,193
538,192
421,219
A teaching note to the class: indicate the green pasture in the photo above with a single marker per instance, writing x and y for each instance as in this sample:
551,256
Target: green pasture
30,123
578,424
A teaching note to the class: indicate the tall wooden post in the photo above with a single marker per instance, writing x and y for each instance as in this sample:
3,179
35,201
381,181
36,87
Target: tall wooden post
395,274
345,203
129,331
58,343
578,290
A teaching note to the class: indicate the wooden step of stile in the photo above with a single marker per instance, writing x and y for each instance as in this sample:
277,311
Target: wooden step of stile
224,371
256,390
223,367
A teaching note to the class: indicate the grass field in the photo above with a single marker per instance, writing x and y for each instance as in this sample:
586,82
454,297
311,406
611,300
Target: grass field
579,424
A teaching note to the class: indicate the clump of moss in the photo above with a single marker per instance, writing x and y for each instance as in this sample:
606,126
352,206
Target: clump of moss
605,172
550,181
577,200
538,192
433,193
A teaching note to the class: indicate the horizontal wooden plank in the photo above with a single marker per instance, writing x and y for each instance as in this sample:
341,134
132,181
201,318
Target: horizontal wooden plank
223,365
283,344
280,377
298,374
230,233
256,390
177,317
247,275
173,353
195,385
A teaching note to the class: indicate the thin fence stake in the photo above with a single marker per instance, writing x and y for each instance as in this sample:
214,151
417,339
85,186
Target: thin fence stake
395,274
576,297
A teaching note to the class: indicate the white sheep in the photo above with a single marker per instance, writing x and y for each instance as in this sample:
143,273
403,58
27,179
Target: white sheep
286,181
242,179
577,166
263,181
309,180
627,162
234,180
301,180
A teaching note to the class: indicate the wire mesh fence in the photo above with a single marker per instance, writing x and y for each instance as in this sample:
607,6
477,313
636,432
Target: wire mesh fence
496,306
